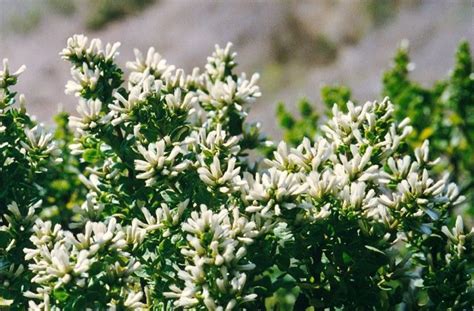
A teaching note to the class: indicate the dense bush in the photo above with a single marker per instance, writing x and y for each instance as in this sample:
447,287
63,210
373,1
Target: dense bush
154,202
444,114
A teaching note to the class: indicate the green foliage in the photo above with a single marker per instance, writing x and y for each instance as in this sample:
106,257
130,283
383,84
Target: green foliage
21,180
443,114
102,12
335,95
295,129
63,189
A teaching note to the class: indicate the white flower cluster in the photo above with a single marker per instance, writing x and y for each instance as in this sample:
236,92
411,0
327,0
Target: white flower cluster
89,115
458,237
221,60
39,140
79,48
122,108
63,260
151,65
85,78
15,219
37,144
165,218
89,59
6,78
221,95
213,175
216,243
349,166
159,160
216,157
90,209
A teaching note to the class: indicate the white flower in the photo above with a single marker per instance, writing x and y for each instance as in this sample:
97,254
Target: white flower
152,64
63,269
422,154
270,189
401,167
134,235
344,128
92,183
175,102
89,210
452,193
417,186
225,248
162,215
155,157
356,197
281,160
310,158
320,212
456,231
5,73
83,78
13,208
77,47
247,90
194,81
133,301
89,115
304,158
43,295
121,108
220,60
320,185
174,81
44,235
62,258
215,142
353,127
393,139
39,140
356,168
229,92
213,174
158,161
457,235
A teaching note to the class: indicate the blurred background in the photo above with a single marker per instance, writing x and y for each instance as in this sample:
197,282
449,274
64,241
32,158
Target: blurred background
297,46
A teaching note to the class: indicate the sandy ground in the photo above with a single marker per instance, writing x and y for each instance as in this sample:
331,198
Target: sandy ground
185,31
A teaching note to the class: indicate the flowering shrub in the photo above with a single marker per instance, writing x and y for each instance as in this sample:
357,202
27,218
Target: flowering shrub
443,114
173,213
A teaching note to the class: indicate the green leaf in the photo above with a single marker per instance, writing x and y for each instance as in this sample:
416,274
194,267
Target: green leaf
4,264
91,155
5,239
374,249
426,133
60,294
